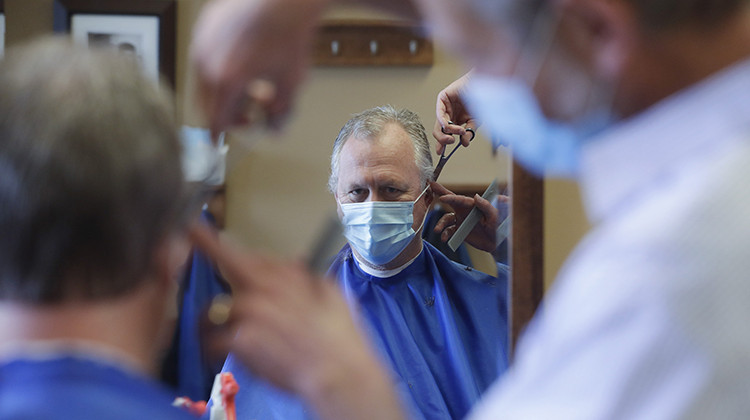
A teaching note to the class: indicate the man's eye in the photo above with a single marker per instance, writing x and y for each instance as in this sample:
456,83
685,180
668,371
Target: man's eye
357,193
391,190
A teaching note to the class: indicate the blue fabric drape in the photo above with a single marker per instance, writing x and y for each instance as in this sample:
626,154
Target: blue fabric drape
192,375
76,388
440,326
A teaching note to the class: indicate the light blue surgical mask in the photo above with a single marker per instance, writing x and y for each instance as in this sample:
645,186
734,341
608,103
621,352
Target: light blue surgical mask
509,109
380,230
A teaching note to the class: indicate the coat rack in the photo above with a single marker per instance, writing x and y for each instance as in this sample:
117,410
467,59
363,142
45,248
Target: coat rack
371,43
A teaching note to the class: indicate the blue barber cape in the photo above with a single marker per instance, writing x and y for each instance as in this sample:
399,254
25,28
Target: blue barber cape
441,327
71,387
186,368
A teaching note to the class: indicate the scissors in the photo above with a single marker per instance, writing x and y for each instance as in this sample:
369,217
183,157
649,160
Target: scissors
444,158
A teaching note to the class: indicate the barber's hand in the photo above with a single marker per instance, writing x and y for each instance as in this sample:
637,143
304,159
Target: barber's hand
484,234
295,330
252,53
449,109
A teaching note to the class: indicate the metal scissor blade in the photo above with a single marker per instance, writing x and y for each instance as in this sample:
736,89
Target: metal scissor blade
439,168
444,158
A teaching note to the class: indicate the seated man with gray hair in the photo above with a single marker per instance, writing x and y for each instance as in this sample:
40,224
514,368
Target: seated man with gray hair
93,219
441,327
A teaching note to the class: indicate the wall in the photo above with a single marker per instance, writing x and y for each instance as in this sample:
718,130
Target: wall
276,190
26,19
564,224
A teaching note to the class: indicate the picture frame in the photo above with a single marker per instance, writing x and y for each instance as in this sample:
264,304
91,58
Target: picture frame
145,28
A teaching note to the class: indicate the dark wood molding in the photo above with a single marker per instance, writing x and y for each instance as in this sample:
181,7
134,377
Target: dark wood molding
165,10
527,248
357,42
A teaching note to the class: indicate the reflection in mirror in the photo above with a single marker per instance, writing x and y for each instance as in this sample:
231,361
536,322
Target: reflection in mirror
437,325
442,328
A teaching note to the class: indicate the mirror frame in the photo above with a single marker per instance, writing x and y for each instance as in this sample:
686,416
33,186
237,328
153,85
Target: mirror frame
526,249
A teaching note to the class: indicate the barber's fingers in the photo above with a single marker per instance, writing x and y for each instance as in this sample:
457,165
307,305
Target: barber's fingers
445,112
470,130
236,263
448,233
439,190
444,133
220,100
442,138
287,82
489,212
460,203
446,125
232,104
446,221
282,334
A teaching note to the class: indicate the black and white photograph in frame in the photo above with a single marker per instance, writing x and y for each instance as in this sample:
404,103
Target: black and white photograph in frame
146,29
134,35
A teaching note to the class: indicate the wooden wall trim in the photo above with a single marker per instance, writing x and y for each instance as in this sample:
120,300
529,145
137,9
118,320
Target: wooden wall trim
526,248
359,42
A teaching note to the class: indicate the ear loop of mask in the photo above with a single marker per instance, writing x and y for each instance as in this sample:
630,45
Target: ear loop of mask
537,46
539,43
424,218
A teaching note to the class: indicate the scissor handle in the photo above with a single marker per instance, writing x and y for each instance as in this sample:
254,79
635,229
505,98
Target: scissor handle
444,159
473,134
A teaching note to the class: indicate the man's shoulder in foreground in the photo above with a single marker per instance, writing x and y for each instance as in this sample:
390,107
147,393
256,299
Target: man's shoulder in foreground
70,387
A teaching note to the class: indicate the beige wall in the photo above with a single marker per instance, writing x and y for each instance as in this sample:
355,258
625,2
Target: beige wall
564,224
277,195
26,19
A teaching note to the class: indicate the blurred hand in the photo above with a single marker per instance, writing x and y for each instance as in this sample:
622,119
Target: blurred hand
252,53
483,236
295,330
452,116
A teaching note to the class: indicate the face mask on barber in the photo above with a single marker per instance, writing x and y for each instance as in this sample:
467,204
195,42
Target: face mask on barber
380,230
509,109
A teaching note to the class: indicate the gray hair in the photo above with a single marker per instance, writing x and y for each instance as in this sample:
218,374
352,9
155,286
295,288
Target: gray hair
90,176
368,125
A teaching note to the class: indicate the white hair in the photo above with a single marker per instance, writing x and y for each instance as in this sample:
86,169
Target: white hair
368,125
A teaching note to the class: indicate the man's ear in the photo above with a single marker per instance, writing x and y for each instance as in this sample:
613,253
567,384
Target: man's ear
429,196
339,212
607,31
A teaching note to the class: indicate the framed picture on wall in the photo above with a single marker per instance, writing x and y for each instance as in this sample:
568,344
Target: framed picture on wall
2,29
143,28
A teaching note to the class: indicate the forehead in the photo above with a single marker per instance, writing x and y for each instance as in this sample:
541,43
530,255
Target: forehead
389,155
